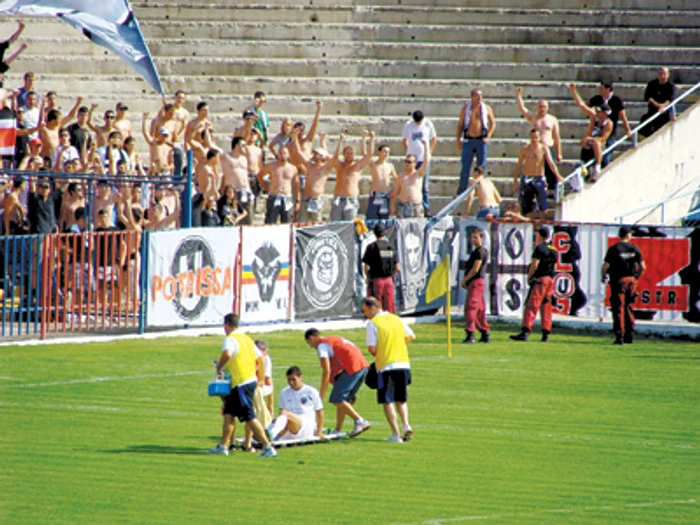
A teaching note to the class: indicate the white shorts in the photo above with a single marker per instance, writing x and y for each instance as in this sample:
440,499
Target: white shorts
307,431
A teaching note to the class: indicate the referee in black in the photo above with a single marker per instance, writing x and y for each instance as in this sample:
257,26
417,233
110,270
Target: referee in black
623,263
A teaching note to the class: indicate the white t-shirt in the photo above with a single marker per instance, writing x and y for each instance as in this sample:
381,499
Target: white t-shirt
67,154
415,134
372,336
31,120
304,402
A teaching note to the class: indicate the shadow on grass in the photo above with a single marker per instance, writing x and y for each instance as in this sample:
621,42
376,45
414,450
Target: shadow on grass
159,449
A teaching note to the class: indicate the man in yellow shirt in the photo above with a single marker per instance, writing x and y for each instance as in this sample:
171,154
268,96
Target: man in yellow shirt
387,338
238,358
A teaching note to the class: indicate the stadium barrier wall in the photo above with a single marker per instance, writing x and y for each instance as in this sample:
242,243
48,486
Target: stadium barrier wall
190,277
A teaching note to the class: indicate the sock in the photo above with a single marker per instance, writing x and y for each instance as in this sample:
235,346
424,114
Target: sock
277,426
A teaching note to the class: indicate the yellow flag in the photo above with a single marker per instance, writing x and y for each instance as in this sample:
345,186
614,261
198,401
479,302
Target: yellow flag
438,282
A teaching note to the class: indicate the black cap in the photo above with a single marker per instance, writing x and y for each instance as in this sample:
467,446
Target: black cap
543,231
122,106
624,231
379,230
250,113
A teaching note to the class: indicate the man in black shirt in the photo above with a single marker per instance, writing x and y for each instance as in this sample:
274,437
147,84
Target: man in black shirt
80,137
540,277
380,266
41,209
659,93
473,282
624,264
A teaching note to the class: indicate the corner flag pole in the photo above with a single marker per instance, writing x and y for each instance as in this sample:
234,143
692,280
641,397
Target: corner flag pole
448,308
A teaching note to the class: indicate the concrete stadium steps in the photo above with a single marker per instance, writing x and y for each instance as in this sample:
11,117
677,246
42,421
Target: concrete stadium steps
383,51
402,14
197,66
407,33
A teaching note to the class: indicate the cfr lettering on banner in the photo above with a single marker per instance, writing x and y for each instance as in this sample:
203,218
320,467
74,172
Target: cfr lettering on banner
193,275
664,258
568,297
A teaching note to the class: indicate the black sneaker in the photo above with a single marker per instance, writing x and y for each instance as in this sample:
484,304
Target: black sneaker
618,341
522,336
545,337
469,340
628,339
485,337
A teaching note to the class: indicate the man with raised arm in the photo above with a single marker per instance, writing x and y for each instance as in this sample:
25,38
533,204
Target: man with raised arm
346,202
317,172
406,199
532,184
383,180
302,152
283,190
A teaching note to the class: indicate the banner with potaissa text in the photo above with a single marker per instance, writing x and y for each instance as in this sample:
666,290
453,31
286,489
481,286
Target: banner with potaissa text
191,276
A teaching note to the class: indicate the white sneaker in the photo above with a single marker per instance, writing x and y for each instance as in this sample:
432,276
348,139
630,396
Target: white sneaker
360,427
407,433
394,439
218,449
268,452
334,434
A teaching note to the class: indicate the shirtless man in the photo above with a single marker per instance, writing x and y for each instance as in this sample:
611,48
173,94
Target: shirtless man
160,148
346,202
122,123
105,199
407,196
157,217
102,132
548,126
207,173
488,196
49,134
235,172
244,130
195,127
383,179
200,143
317,171
302,152
532,185
73,199
181,117
474,130
282,189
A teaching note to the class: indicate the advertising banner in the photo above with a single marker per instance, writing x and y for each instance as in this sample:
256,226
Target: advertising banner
265,286
191,276
324,271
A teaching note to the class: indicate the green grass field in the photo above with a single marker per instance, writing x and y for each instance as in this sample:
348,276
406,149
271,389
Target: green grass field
574,431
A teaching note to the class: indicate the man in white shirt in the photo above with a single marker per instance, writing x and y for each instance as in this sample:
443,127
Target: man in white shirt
415,132
301,410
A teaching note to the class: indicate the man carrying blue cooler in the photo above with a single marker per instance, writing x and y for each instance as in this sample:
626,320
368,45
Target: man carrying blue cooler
238,358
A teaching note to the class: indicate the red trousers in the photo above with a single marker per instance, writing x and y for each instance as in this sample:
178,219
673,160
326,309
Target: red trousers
475,307
384,290
539,298
622,296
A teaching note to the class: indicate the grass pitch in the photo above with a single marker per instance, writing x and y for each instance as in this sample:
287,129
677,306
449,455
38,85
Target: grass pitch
574,431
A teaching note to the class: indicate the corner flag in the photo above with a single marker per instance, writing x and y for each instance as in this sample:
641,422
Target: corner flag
439,281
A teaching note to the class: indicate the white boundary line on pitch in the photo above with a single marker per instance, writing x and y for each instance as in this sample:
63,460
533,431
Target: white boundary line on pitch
493,431
101,379
572,510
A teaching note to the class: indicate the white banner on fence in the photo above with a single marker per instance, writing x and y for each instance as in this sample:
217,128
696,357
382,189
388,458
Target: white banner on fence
191,275
265,285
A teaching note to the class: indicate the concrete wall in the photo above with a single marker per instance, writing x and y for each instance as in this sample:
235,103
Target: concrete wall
666,164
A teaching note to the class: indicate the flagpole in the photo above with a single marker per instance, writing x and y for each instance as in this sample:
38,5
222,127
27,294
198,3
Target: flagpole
448,308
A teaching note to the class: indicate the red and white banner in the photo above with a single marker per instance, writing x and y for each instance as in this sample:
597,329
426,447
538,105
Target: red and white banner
8,133
191,276
265,283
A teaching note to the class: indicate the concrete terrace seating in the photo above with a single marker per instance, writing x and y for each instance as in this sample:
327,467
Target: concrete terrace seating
373,62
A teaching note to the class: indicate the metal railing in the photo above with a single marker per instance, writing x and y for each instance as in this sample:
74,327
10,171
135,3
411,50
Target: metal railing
577,173
661,204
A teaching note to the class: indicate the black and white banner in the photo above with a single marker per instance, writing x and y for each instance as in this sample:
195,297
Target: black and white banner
324,271
191,276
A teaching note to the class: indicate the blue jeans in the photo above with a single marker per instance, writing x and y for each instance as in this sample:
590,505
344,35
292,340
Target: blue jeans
469,148
426,187
607,158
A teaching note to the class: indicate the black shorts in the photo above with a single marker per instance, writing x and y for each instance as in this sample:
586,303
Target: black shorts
239,403
393,386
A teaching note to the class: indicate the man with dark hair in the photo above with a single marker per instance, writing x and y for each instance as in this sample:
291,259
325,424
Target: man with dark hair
624,264
540,277
238,358
387,339
380,265
473,282
234,166
27,87
383,179
474,130
343,366
416,131
79,132
41,208
282,188
301,410
263,121
122,123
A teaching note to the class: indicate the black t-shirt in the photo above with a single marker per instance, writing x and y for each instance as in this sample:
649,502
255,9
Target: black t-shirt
3,47
660,93
79,136
210,218
624,259
380,256
479,254
547,256
21,145
41,213
614,103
